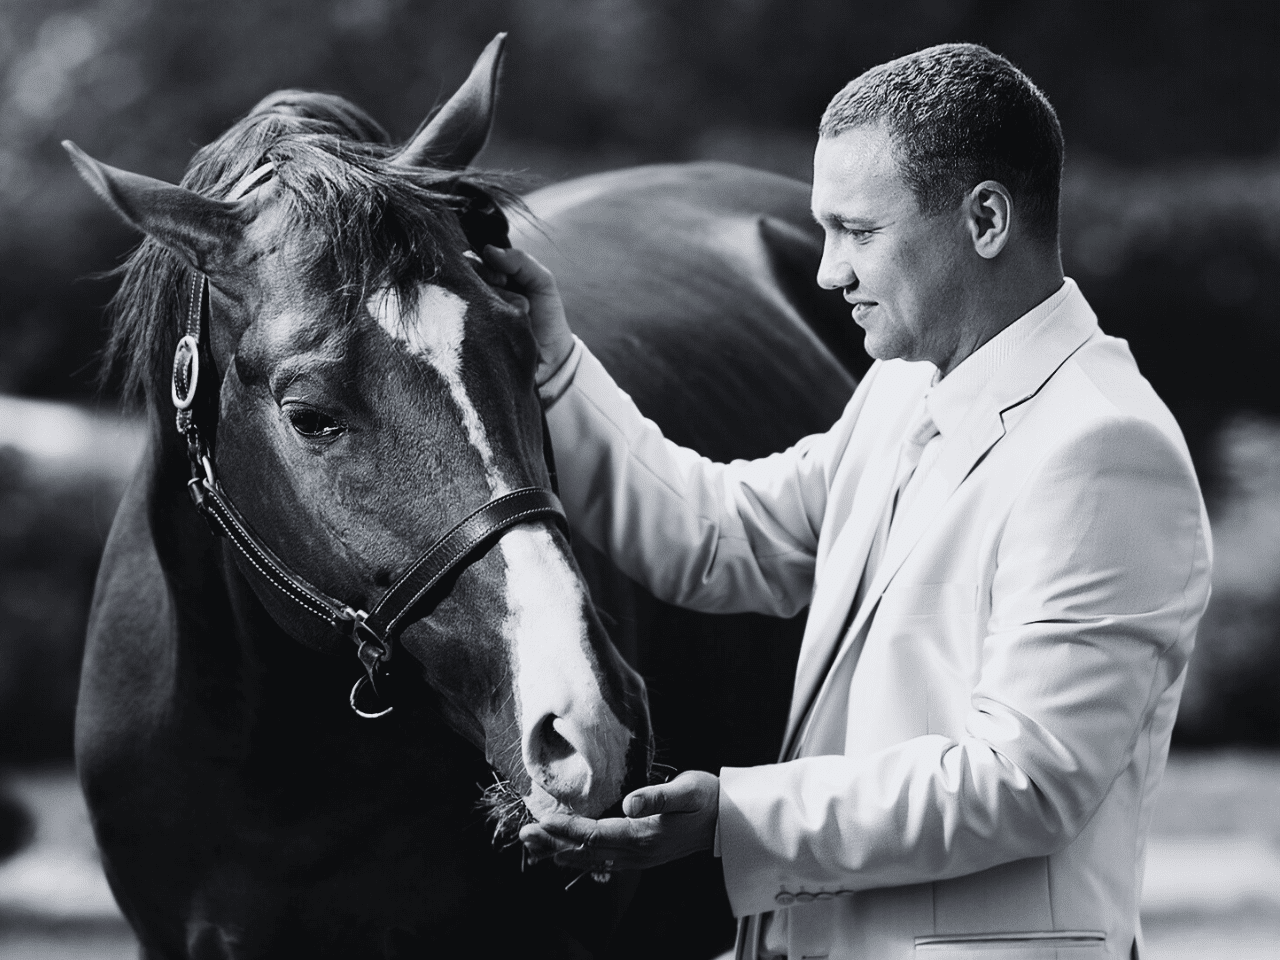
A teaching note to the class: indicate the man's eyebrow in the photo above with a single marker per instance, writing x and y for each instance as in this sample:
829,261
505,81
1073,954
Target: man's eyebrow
836,219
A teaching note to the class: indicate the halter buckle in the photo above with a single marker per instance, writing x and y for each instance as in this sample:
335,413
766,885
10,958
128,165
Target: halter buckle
372,647
186,373
373,651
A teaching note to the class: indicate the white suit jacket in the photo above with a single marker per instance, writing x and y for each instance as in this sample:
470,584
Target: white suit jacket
1008,718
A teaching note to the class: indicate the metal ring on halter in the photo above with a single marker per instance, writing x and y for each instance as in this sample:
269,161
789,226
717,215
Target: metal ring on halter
186,366
366,638
355,692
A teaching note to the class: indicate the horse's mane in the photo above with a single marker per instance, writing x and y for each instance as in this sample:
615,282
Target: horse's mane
372,224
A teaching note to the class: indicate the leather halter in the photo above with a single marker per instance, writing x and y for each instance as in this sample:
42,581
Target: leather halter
374,632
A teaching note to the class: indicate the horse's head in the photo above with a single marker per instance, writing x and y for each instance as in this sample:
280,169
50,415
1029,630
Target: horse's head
371,390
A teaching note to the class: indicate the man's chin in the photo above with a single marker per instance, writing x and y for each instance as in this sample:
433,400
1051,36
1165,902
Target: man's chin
879,348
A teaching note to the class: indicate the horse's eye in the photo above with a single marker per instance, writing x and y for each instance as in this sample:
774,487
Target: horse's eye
312,423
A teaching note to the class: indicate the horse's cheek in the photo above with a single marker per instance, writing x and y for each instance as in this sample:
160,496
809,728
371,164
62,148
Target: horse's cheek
461,658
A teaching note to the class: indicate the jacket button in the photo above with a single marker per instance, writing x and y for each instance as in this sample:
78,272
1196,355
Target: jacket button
785,899
804,897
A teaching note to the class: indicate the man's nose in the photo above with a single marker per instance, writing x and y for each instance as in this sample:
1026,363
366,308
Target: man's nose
834,272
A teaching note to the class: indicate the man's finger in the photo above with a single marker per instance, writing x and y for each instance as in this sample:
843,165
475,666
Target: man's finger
509,261
487,272
565,827
542,844
681,795
529,275
592,834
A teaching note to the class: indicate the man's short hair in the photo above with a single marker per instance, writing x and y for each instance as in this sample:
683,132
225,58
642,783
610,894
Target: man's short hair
959,114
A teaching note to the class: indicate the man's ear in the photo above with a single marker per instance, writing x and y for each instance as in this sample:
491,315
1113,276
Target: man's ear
989,212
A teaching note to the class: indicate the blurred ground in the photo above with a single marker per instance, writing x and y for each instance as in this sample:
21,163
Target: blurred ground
1213,864
1212,889
54,901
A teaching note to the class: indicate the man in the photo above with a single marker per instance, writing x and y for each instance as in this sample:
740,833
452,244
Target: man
1002,544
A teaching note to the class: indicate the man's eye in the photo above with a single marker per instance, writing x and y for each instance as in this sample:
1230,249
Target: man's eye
312,423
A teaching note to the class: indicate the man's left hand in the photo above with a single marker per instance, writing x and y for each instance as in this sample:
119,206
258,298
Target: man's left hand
663,822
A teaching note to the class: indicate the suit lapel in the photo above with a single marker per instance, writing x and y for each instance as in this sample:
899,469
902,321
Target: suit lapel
1046,349
955,462
843,568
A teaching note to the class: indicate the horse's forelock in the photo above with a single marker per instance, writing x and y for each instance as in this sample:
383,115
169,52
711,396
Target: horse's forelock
371,225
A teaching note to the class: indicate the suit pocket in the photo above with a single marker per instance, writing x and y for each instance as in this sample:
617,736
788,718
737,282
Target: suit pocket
1046,945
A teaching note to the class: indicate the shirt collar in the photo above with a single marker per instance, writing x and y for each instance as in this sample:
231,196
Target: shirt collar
951,397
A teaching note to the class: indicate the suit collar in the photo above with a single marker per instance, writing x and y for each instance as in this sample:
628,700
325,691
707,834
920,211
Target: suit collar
953,396
1041,348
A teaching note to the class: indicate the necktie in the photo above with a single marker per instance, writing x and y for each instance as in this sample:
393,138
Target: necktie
913,447
918,436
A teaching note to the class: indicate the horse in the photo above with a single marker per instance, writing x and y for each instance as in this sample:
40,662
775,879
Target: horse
346,454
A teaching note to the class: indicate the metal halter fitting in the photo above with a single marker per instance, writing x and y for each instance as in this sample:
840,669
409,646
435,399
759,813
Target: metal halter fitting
374,632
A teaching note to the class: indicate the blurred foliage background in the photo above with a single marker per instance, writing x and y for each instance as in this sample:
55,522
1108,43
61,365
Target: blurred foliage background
1171,222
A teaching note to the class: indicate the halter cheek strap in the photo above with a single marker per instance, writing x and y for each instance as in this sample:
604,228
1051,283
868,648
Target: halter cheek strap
418,589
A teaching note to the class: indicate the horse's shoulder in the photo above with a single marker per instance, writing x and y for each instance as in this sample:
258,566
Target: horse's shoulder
706,188
694,284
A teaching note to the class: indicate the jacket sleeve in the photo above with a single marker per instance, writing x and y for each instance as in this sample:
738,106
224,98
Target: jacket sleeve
717,537
1101,575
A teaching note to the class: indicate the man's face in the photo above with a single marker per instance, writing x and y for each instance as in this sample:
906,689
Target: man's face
901,270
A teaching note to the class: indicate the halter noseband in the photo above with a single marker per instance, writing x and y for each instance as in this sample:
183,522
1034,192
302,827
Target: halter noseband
374,632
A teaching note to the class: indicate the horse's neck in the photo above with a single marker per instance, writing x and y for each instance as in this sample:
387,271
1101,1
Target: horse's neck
220,628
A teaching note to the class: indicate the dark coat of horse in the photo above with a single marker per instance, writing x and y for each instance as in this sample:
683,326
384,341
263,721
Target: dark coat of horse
241,808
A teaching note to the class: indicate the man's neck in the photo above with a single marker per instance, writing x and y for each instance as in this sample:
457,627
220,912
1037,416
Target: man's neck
1003,296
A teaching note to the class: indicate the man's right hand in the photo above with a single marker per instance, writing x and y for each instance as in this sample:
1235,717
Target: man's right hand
527,277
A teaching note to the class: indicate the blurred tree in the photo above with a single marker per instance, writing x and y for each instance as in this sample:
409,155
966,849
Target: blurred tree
589,83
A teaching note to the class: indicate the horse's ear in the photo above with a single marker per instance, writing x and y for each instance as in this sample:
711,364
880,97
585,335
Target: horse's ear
199,230
482,219
453,137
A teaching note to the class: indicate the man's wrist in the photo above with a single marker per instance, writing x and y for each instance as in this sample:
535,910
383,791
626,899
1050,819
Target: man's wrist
555,380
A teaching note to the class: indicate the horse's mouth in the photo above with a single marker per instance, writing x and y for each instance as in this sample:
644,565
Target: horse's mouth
507,811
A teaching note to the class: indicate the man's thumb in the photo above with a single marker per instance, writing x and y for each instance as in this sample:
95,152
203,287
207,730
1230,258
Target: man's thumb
678,796
644,802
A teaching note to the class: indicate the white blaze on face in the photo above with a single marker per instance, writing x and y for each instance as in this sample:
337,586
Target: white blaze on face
574,747
435,332
572,744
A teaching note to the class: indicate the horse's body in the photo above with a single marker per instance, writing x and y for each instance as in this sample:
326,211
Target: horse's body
241,807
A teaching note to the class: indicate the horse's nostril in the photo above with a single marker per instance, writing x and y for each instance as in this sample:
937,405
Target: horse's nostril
555,758
547,746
